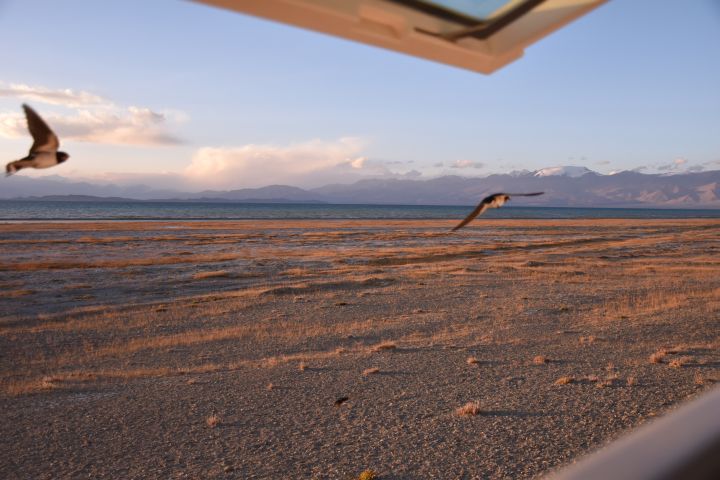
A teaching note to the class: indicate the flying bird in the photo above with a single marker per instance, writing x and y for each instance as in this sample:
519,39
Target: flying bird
44,151
496,200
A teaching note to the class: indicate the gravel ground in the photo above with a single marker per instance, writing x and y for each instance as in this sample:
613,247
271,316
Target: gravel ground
218,350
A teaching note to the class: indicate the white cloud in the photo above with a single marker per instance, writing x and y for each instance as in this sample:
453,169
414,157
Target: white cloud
466,164
358,162
257,165
65,97
307,164
93,119
676,164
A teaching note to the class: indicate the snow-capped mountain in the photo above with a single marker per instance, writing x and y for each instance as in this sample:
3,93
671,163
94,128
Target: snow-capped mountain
563,186
563,171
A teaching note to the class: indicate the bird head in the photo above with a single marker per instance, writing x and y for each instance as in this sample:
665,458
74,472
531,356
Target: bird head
62,156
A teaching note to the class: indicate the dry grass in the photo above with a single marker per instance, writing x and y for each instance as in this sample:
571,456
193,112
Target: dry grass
680,362
302,366
18,293
609,381
631,381
540,360
383,346
371,371
658,357
212,274
469,409
564,380
368,475
121,336
71,263
212,421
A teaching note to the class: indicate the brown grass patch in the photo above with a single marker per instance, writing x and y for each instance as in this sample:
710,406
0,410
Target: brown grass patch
212,421
469,409
564,381
368,475
658,357
370,371
680,362
540,360
18,293
472,361
120,263
384,346
212,274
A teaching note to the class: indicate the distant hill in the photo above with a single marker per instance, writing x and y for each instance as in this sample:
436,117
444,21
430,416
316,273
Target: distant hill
563,186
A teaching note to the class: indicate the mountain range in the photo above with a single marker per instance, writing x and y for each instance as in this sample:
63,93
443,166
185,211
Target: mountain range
563,186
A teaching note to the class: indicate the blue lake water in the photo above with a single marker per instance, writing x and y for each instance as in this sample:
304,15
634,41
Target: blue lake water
20,210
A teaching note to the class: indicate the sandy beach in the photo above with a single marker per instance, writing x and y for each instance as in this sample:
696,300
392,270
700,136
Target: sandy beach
219,349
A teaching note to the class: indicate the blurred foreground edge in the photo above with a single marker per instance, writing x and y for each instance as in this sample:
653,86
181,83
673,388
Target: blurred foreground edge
482,37
684,444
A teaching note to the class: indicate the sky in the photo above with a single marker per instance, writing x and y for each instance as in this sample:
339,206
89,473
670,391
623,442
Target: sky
176,94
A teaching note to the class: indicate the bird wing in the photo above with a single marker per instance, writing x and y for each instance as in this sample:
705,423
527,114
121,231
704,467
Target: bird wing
478,211
44,139
534,194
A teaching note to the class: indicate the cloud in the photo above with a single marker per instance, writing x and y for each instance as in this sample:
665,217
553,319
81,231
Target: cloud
603,162
677,163
466,164
65,97
93,118
307,164
696,168
258,165
438,165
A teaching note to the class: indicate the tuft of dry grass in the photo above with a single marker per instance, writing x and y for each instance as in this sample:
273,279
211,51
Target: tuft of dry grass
212,421
302,366
609,381
211,274
540,360
631,381
18,293
587,340
368,475
472,361
384,346
269,386
658,357
680,362
370,371
469,409
564,380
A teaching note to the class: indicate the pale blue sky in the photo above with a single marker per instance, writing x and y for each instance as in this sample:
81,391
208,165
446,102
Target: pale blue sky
633,84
